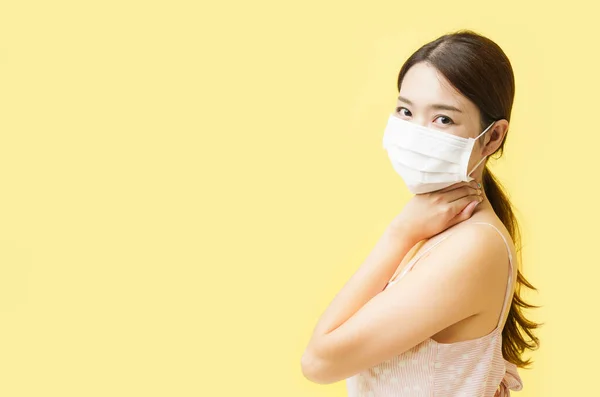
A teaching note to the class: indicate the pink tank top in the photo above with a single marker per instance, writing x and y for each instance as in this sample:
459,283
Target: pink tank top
470,368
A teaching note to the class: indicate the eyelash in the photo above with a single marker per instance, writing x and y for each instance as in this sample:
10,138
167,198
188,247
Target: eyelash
399,108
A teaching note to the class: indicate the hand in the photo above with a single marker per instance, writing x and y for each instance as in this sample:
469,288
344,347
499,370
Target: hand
428,214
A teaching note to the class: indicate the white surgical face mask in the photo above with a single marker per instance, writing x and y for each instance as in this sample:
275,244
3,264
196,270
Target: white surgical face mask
427,159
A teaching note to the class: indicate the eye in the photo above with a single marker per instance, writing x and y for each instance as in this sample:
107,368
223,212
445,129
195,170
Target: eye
403,111
444,120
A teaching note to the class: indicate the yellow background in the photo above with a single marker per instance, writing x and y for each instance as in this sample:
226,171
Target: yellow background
186,185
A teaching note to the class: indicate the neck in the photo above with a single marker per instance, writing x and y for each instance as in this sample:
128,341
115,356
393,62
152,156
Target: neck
478,176
485,203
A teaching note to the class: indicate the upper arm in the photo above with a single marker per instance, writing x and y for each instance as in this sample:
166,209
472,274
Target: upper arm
446,286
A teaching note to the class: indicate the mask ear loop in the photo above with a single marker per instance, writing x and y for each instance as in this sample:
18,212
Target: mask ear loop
484,157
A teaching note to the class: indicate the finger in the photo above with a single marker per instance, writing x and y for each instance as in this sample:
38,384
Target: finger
452,187
458,186
465,214
465,191
459,205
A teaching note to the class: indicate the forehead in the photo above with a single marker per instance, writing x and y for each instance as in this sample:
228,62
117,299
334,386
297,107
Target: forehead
424,85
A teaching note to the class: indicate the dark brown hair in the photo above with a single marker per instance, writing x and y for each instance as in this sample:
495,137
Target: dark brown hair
478,68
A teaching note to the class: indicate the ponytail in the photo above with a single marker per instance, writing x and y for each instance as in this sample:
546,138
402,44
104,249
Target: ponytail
513,341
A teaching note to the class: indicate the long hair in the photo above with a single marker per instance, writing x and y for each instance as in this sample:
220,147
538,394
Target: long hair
479,69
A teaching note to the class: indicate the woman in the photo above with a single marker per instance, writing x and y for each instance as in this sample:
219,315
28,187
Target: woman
445,322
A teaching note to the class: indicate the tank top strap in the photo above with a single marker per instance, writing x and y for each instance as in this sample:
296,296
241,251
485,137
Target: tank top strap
510,270
415,259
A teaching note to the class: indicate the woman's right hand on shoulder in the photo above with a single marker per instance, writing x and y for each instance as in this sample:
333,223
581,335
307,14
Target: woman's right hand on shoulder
428,214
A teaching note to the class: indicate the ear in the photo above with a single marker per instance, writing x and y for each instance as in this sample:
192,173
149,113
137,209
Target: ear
494,137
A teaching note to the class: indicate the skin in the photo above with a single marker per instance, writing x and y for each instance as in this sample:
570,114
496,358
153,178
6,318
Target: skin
454,293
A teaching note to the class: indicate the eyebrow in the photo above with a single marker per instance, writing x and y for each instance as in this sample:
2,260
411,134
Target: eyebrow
438,106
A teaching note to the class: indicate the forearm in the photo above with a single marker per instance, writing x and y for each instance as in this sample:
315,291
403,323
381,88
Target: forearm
367,281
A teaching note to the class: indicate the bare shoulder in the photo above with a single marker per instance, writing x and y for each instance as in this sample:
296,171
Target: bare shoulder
477,238
489,235
475,257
